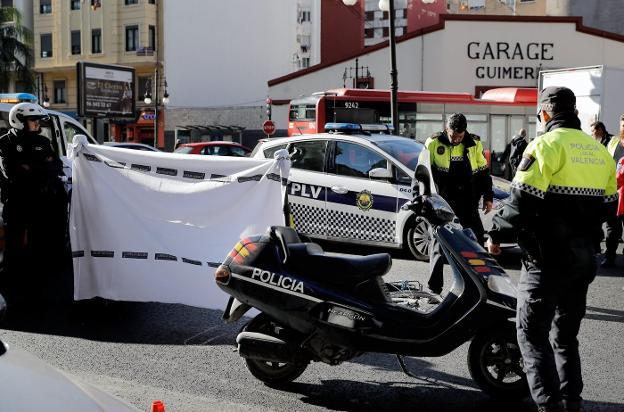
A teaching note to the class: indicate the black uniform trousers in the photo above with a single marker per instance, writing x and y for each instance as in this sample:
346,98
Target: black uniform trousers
551,305
614,234
468,216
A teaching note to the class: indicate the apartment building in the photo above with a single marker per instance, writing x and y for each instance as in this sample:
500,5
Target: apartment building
122,32
24,7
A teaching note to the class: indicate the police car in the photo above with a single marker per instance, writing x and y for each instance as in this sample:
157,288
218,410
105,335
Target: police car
348,185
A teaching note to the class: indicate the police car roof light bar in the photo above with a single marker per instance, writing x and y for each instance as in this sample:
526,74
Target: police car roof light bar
358,128
343,127
17,98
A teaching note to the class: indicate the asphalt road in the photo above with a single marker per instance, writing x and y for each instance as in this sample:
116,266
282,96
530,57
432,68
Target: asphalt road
185,357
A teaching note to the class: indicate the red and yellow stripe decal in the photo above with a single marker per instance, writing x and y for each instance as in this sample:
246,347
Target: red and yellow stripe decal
242,249
479,265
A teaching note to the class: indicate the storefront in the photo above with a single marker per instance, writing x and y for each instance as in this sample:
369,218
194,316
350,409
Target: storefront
141,130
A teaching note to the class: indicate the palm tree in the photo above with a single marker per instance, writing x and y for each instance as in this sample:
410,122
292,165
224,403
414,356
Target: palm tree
16,54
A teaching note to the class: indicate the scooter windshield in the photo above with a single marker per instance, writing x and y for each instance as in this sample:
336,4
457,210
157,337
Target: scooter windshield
439,211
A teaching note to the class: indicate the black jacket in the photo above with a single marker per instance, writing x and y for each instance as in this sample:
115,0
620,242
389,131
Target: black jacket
30,168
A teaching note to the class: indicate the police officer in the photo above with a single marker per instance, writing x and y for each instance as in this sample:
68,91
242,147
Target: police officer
34,198
462,176
615,147
559,196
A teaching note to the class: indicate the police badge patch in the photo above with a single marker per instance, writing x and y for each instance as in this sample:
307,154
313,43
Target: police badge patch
525,163
440,150
364,200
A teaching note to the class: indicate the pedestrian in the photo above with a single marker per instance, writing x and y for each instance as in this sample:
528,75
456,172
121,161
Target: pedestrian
513,153
177,144
34,199
599,132
614,223
462,177
564,188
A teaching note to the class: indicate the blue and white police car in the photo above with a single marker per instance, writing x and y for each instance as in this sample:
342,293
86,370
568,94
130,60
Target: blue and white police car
348,185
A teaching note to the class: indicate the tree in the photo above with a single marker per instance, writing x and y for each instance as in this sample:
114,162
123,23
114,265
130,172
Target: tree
16,55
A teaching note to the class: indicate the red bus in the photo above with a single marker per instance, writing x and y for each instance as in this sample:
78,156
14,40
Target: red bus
496,116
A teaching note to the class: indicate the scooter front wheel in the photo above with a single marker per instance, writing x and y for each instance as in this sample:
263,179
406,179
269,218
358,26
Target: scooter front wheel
495,363
270,372
274,373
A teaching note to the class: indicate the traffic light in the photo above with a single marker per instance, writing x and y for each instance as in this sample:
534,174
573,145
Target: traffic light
268,107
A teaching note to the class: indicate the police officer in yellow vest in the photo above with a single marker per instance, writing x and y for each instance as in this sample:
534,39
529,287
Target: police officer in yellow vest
562,192
462,176
614,223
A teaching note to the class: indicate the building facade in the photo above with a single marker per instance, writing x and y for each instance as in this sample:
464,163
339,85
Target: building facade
467,54
24,7
219,54
124,33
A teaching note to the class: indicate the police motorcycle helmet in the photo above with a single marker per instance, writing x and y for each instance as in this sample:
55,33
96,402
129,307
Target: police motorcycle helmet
22,112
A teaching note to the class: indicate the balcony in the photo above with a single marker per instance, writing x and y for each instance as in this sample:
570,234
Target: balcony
145,51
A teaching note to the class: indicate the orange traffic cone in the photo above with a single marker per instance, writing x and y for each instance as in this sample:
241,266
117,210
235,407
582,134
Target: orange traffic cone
158,406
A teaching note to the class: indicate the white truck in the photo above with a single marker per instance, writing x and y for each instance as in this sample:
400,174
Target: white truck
599,93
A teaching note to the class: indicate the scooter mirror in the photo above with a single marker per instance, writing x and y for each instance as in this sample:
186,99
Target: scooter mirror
423,183
2,306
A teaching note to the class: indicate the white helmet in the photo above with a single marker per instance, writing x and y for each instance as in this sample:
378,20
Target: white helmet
23,111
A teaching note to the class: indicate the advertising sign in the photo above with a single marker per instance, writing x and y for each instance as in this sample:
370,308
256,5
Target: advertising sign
105,90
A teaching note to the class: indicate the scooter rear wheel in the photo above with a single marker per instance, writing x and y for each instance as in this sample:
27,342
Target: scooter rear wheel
269,372
495,363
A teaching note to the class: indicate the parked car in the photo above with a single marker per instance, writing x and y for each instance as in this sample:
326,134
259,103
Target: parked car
214,148
30,384
350,186
133,146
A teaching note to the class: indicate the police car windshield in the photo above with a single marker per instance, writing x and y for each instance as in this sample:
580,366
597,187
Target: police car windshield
404,150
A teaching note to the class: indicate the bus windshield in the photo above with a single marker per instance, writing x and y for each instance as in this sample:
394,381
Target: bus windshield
404,150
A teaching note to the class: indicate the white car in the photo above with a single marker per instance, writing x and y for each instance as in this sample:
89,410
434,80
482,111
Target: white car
29,384
350,186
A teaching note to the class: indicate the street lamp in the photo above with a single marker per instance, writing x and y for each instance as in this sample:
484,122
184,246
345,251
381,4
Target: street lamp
147,99
388,5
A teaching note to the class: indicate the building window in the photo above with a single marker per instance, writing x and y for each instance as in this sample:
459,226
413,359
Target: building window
45,6
96,41
132,38
143,83
46,45
129,2
96,4
75,42
75,4
305,62
59,91
151,1
369,33
152,37
6,3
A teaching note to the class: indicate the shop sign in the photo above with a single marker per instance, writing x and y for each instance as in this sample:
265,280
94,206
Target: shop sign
505,60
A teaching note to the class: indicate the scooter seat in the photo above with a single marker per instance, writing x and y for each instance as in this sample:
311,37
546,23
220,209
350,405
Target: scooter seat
310,260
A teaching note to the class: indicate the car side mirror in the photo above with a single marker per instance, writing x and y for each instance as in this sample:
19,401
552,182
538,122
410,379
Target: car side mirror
380,173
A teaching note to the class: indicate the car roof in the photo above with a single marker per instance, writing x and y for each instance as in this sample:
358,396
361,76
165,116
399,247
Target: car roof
129,144
212,143
349,137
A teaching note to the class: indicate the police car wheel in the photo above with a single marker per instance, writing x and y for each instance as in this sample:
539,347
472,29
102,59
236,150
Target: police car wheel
495,363
419,239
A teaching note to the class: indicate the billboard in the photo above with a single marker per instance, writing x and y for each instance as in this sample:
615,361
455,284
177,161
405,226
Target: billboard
105,90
